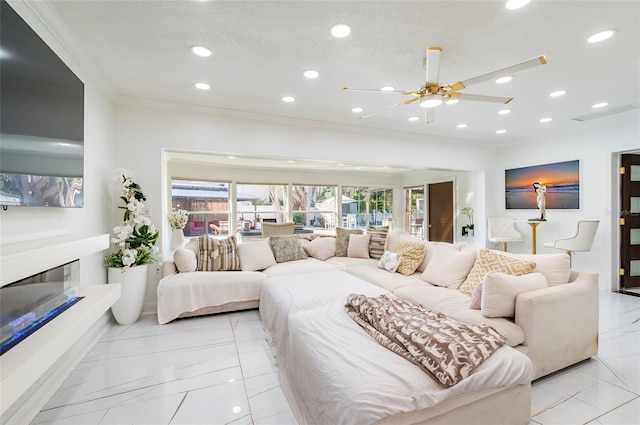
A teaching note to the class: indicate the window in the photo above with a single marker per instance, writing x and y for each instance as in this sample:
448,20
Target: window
207,204
365,206
261,202
314,206
414,211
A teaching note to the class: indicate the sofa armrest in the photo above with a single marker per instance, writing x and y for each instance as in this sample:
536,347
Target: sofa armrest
168,268
560,323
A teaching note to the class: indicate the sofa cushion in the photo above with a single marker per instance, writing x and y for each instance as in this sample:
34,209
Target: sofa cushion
390,261
448,266
218,254
378,240
555,267
321,248
186,260
489,261
255,255
287,248
342,240
412,255
379,277
500,290
358,246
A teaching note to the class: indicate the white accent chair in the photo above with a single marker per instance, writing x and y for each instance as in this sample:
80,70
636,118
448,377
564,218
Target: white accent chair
503,230
582,241
277,229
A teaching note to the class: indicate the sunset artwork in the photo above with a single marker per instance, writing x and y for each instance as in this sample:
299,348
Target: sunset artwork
562,180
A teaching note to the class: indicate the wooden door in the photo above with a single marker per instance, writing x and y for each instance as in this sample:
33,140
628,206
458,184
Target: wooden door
630,222
440,212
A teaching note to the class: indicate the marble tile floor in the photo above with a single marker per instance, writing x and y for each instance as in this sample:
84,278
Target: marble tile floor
219,370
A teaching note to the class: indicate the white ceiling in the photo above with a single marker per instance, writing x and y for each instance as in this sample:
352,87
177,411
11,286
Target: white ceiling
261,48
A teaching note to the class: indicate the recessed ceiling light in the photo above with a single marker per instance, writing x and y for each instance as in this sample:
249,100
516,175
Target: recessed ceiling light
201,51
503,80
501,131
599,105
601,36
558,93
516,4
358,168
451,101
290,161
432,102
341,165
414,118
236,409
231,157
546,119
504,111
310,74
288,99
357,110
462,125
202,86
340,30
388,88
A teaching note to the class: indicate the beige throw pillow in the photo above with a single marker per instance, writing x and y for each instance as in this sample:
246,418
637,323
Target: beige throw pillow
255,255
378,240
218,254
412,255
287,248
500,290
448,267
358,246
321,248
185,260
491,261
342,240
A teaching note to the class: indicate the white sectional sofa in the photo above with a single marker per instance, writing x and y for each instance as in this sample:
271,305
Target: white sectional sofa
555,326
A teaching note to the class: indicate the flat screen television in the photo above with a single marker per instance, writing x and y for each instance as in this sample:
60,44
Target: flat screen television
41,121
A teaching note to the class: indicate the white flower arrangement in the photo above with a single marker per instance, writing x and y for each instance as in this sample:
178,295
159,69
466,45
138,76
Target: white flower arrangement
468,211
136,238
178,219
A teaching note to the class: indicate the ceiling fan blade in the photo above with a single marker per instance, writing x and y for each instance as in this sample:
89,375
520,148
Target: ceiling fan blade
382,110
482,98
433,65
378,91
429,115
540,60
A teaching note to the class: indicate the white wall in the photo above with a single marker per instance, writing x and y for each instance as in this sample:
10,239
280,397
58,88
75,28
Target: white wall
19,224
593,143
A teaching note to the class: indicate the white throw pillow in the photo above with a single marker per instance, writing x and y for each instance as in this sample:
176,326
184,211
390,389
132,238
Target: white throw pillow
555,267
185,260
390,261
500,290
448,267
358,246
321,248
255,255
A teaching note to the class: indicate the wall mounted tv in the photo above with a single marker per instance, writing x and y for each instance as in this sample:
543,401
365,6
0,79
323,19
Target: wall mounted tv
41,121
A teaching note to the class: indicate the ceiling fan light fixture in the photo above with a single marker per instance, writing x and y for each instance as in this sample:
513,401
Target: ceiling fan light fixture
516,4
503,80
601,36
340,30
432,101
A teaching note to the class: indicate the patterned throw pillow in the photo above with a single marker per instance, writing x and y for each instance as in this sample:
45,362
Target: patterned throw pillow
389,261
342,240
217,254
412,255
378,240
287,248
491,261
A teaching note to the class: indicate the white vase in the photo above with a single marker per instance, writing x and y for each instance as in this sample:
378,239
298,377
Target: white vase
177,239
470,233
133,286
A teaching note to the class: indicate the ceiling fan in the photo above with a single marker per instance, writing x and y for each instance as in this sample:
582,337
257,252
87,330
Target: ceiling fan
432,94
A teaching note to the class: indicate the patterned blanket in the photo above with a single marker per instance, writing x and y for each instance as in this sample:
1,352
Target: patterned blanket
445,348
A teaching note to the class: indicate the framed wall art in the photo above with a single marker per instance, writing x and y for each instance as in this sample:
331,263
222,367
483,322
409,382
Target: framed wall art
562,181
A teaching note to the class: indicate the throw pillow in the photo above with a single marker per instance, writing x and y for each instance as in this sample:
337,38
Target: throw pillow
390,261
321,248
185,260
287,248
491,261
500,290
448,267
217,254
342,240
358,246
412,255
378,240
255,255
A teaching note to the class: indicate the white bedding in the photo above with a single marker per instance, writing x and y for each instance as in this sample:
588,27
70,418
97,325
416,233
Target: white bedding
333,372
